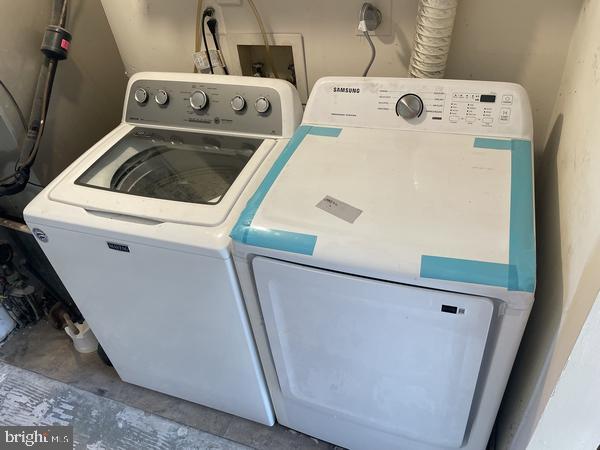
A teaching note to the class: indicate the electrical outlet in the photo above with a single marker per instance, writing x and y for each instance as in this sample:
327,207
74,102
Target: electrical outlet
216,5
385,6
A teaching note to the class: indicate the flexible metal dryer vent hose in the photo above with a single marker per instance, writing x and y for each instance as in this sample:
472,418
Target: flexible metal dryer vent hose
435,21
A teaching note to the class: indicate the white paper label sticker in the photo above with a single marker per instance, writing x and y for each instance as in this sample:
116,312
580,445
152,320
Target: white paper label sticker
339,209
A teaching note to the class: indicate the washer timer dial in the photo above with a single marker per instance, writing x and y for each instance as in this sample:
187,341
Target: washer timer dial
198,100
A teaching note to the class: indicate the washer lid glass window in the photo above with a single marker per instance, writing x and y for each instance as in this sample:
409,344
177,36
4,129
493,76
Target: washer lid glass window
180,166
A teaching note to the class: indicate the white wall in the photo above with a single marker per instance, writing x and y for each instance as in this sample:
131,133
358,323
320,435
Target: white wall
568,235
89,86
572,418
525,42
508,40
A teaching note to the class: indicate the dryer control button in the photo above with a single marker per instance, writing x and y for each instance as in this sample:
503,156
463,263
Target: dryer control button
409,106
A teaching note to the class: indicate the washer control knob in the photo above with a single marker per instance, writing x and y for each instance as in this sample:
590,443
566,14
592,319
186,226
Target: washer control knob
262,105
198,100
140,96
238,103
409,106
161,97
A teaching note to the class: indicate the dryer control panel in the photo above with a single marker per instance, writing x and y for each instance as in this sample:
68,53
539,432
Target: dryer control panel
470,107
223,104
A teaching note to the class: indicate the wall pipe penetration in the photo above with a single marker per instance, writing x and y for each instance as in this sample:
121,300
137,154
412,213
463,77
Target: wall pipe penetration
435,21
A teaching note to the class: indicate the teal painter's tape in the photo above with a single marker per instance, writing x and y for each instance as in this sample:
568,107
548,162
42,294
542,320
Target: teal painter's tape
282,240
496,144
278,239
242,227
522,275
325,131
464,270
520,272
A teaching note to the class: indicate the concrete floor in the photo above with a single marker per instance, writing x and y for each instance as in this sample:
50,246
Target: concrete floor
30,399
49,352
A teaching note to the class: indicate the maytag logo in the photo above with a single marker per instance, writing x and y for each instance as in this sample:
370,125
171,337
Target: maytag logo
347,90
118,247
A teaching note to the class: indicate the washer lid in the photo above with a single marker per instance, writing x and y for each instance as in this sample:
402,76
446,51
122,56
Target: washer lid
165,175
400,205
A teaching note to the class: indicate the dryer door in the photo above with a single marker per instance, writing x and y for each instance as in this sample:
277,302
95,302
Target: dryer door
391,357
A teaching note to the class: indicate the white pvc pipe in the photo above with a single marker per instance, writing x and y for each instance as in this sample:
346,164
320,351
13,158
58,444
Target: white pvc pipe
435,21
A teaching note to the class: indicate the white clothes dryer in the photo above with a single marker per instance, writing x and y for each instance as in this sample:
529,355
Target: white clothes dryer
387,261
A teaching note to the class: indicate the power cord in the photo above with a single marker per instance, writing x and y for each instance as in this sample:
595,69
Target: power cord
197,40
208,12
368,20
212,26
373,53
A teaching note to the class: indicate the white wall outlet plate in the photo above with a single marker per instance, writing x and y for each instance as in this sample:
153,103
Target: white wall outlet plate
232,57
385,6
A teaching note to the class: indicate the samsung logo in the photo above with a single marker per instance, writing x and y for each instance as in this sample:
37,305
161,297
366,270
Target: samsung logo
347,90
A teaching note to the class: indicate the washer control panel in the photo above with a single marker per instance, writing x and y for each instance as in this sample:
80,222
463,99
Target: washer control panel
472,107
205,105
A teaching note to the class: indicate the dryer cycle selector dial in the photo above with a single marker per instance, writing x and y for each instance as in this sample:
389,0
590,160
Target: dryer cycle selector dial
409,106
161,97
262,105
238,103
198,100
140,96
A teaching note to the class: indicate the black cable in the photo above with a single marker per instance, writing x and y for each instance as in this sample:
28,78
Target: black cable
55,34
12,98
212,26
36,185
63,14
36,127
45,105
206,14
373,52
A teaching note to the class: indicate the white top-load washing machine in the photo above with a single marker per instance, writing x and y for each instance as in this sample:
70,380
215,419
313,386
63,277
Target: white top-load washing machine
387,261
138,231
